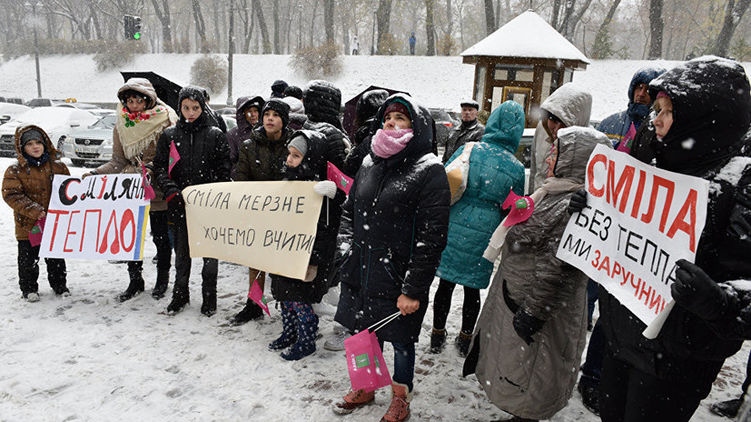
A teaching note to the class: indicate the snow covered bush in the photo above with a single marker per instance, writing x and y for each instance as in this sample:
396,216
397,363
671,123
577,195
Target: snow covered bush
446,45
324,61
389,45
209,72
116,54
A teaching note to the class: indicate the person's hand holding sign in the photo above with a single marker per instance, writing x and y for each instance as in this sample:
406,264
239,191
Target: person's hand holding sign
577,202
698,293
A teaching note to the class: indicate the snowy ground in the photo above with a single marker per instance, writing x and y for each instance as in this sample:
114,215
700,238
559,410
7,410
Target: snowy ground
434,81
88,357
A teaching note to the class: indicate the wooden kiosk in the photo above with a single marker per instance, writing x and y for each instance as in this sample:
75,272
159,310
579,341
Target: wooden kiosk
525,61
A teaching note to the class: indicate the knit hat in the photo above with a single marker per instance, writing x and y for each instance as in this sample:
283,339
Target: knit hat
29,135
293,91
299,143
280,107
470,103
399,107
277,88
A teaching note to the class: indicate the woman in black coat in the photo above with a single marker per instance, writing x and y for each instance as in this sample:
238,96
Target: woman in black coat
204,158
395,221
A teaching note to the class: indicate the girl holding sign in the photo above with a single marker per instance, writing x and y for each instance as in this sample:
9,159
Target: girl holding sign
27,187
396,220
140,121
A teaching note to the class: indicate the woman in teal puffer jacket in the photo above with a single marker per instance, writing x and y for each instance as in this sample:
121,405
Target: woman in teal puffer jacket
493,172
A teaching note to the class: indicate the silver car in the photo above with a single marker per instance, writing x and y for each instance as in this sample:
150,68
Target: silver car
90,146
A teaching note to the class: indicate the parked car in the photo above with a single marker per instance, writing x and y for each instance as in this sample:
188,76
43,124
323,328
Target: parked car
92,145
227,111
43,102
524,152
58,122
230,121
8,111
443,125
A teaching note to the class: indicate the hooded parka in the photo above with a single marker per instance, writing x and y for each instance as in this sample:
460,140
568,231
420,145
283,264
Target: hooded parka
573,106
395,222
535,381
238,134
142,150
27,188
493,172
712,107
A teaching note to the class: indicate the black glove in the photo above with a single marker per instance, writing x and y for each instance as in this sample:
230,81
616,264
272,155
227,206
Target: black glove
740,218
578,201
526,325
698,293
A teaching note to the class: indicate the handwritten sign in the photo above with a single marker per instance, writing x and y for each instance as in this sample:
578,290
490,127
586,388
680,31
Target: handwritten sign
638,222
269,226
100,217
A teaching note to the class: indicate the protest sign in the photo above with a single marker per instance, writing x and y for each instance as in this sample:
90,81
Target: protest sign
100,217
638,222
269,226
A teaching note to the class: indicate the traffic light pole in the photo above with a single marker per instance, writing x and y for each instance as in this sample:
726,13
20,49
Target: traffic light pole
231,50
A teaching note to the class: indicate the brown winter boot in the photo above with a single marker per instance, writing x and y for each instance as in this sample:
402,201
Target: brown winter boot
399,409
353,400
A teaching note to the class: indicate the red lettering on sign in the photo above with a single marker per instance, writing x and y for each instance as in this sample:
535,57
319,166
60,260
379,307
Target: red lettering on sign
599,158
689,207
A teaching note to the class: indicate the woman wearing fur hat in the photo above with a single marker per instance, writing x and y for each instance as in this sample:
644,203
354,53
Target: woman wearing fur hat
141,118
27,187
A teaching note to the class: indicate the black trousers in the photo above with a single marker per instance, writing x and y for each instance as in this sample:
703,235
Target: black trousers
629,395
183,261
28,269
160,236
442,306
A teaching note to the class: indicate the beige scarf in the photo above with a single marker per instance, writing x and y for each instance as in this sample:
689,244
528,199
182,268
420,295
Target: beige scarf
552,185
138,130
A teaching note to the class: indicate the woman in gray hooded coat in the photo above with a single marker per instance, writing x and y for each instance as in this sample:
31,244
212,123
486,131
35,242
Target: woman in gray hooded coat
531,333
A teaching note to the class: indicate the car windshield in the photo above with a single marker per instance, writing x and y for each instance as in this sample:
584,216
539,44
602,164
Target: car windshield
106,122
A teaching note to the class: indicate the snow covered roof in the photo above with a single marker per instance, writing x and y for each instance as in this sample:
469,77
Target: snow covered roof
527,35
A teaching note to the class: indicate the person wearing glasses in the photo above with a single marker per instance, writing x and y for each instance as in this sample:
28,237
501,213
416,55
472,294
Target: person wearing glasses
568,106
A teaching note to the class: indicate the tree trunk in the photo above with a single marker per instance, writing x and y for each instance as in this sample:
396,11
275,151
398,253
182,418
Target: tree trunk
578,17
568,12
489,17
733,15
231,50
277,41
430,26
312,24
450,18
200,27
656,25
95,22
601,46
262,24
383,18
328,19
217,28
164,17
556,12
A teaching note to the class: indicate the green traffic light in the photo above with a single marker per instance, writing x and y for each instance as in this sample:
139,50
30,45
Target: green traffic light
137,36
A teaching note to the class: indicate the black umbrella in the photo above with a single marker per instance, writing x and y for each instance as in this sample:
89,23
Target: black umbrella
166,90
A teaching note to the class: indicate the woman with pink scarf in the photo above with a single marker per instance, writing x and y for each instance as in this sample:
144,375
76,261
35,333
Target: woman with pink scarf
395,222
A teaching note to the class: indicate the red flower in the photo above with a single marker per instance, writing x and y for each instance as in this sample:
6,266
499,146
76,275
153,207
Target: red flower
145,116
132,116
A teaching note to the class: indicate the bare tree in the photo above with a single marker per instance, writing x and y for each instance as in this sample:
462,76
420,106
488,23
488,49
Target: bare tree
733,15
430,26
277,41
328,19
450,18
556,13
383,17
200,26
656,25
262,24
601,48
489,17
163,15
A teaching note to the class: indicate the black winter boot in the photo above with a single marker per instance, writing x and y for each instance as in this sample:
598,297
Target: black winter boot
208,307
250,312
289,329
180,298
162,281
437,340
590,396
307,328
136,284
462,343
728,408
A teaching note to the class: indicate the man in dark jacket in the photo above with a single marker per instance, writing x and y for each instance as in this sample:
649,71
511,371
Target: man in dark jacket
469,131
261,158
617,126
365,125
248,112
203,158
666,378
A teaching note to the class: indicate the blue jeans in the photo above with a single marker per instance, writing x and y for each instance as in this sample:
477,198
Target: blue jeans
404,363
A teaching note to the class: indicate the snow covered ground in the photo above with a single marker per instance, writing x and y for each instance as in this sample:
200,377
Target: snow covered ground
434,81
89,358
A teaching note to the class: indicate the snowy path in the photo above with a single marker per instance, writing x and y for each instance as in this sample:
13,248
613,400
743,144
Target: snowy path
88,357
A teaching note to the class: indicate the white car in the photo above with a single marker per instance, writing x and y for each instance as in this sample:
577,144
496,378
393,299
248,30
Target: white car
90,145
58,122
8,111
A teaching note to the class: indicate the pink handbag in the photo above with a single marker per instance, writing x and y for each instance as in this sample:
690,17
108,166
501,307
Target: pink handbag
365,364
